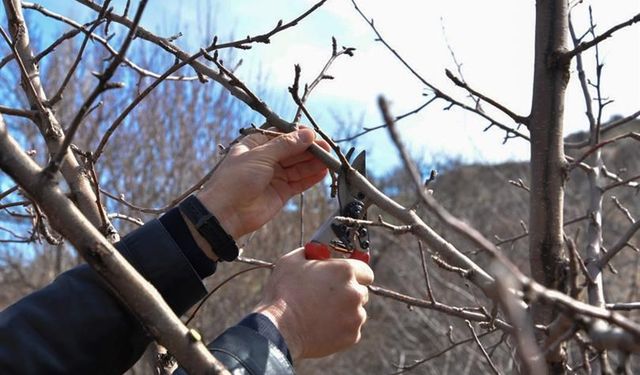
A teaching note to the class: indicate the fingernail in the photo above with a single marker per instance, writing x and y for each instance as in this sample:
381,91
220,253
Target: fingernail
306,135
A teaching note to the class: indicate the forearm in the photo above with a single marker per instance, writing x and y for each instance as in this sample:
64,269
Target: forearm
75,325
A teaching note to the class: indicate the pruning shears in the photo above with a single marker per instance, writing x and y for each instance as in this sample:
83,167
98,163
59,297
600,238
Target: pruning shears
349,239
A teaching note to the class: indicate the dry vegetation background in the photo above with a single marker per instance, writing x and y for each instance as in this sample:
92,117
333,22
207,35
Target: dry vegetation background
171,140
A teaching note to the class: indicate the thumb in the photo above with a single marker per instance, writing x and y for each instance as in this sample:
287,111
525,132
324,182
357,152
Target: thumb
295,256
287,145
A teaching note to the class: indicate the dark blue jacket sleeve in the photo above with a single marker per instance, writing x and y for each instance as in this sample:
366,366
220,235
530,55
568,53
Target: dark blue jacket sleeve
76,326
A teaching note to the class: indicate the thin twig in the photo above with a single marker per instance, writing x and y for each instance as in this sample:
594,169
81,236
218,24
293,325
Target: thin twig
112,128
510,132
58,95
631,181
624,210
396,119
482,349
586,45
26,113
293,90
460,83
600,145
425,272
220,285
103,85
581,264
625,306
395,229
622,242
175,201
124,217
9,191
308,89
78,28
438,306
441,352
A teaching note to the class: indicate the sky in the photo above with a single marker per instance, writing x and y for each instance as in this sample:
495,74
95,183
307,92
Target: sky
491,39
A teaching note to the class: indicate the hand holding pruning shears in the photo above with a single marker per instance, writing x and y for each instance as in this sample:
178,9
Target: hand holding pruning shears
350,240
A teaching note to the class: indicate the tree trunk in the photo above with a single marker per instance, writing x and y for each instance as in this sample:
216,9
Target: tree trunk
551,75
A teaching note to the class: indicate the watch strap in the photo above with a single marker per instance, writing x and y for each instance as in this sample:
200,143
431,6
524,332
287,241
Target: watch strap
209,227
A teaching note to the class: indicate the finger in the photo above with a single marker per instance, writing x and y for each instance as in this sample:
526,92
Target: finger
362,272
300,158
364,293
295,254
286,145
303,170
323,144
249,142
297,187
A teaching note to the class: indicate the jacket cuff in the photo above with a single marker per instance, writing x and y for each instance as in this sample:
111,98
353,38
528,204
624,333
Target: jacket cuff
154,253
243,350
265,327
179,231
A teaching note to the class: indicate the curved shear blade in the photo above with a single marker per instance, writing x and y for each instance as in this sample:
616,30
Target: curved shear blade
346,193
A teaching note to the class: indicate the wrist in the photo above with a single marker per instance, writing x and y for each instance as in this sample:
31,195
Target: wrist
278,315
227,217
199,240
208,232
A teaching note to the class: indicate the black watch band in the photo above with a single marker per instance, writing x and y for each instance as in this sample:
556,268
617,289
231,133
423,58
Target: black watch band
208,226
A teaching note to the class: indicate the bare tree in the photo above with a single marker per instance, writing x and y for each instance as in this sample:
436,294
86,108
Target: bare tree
524,314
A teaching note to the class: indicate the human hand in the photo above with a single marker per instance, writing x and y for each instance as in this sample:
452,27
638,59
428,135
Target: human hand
317,305
257,177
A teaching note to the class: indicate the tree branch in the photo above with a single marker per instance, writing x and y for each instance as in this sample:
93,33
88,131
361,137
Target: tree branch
102,86
586,45
510,133
492,366
48,124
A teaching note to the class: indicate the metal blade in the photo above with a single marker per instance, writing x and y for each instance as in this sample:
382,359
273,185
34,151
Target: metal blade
360,163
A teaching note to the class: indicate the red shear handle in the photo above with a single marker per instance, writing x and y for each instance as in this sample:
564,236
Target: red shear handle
360,255
316,251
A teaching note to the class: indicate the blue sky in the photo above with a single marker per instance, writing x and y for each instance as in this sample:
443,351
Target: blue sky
493,40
